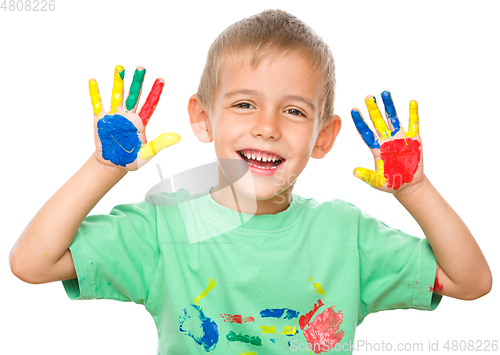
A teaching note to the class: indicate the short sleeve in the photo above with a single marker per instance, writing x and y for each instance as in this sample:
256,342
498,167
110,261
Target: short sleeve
397,270
116,256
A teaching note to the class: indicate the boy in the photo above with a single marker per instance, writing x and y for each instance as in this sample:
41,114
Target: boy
271,272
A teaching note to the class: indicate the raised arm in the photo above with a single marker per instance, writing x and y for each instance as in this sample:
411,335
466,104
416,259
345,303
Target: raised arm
462,270
41,253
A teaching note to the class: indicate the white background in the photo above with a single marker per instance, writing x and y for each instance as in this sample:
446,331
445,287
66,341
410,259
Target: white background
442,54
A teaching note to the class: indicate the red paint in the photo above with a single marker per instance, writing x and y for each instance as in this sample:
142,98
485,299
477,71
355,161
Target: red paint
236,318
324,332
305,319
248,319
438,286
152,101
401,158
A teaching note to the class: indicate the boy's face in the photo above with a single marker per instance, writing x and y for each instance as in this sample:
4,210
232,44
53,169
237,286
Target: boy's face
270,111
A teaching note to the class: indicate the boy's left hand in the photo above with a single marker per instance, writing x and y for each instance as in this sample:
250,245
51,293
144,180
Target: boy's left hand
397,154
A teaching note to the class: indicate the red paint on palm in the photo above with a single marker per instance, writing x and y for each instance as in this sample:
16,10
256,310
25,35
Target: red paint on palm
152,101
401,158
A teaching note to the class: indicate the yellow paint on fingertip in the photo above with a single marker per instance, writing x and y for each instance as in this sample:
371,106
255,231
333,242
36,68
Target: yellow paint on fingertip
376,117
116,95
94,97
372,178
413,129
211,285
165,140
268,329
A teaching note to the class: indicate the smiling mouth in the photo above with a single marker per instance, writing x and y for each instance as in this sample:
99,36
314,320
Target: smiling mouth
264,165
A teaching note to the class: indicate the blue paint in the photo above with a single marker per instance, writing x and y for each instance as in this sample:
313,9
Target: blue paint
390,110
284,313
273,340
119,139
365,132
210,334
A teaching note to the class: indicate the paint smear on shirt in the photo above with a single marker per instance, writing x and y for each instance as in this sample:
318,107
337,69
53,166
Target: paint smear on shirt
438,286
305,319
401,158
324,332
232,336
284,313
232,318
248,353
289,331
206,334
248,319
211,285
268,329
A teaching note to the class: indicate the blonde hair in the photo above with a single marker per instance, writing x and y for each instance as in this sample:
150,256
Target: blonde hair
269,33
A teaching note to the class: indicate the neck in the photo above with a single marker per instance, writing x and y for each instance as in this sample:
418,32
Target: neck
229,196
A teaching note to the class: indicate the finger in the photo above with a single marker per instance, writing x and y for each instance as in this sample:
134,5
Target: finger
390,112
152,101
135,89
117,93
375,179
363,129
152,148
376,117
95,98
413,129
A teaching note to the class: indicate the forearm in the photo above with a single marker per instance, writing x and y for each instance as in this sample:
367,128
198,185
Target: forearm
52,230
454,247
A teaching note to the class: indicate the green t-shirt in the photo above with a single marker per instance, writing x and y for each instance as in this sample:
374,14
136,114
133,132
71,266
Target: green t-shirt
299,280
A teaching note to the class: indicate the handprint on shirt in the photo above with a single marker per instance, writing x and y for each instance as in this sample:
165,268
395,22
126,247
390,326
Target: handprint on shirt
398,154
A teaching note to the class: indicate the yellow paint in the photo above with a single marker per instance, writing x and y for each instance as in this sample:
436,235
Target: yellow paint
413,128
165,140
211,285
128,151
268,329
289,330
310,279
116,95
376,117
375,179
248,353
94,97
318,289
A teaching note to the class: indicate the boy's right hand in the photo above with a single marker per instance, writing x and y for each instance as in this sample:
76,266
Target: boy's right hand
119,134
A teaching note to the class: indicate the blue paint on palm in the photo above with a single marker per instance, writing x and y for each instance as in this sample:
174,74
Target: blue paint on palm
391,111
364,130
119,139
206,335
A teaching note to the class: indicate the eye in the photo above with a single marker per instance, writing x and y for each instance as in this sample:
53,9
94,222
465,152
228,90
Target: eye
295,112
243,105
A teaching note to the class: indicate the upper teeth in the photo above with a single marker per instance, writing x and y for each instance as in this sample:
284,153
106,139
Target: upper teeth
260,158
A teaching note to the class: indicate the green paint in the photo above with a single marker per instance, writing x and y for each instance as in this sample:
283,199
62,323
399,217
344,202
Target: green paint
231,336
122,74
135,89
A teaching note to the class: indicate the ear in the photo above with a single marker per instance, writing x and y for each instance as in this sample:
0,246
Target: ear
200,124
326,137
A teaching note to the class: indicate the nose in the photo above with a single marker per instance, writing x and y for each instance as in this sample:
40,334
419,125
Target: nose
266,125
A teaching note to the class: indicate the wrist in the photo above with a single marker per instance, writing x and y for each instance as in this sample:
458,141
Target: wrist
108,170
412,190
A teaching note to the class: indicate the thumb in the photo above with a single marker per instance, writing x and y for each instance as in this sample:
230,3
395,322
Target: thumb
372,178
152,148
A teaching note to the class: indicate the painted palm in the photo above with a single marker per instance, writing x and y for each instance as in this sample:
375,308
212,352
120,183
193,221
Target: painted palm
119,134
397,154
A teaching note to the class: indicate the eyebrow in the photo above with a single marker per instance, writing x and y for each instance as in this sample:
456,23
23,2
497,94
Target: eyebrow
256,93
